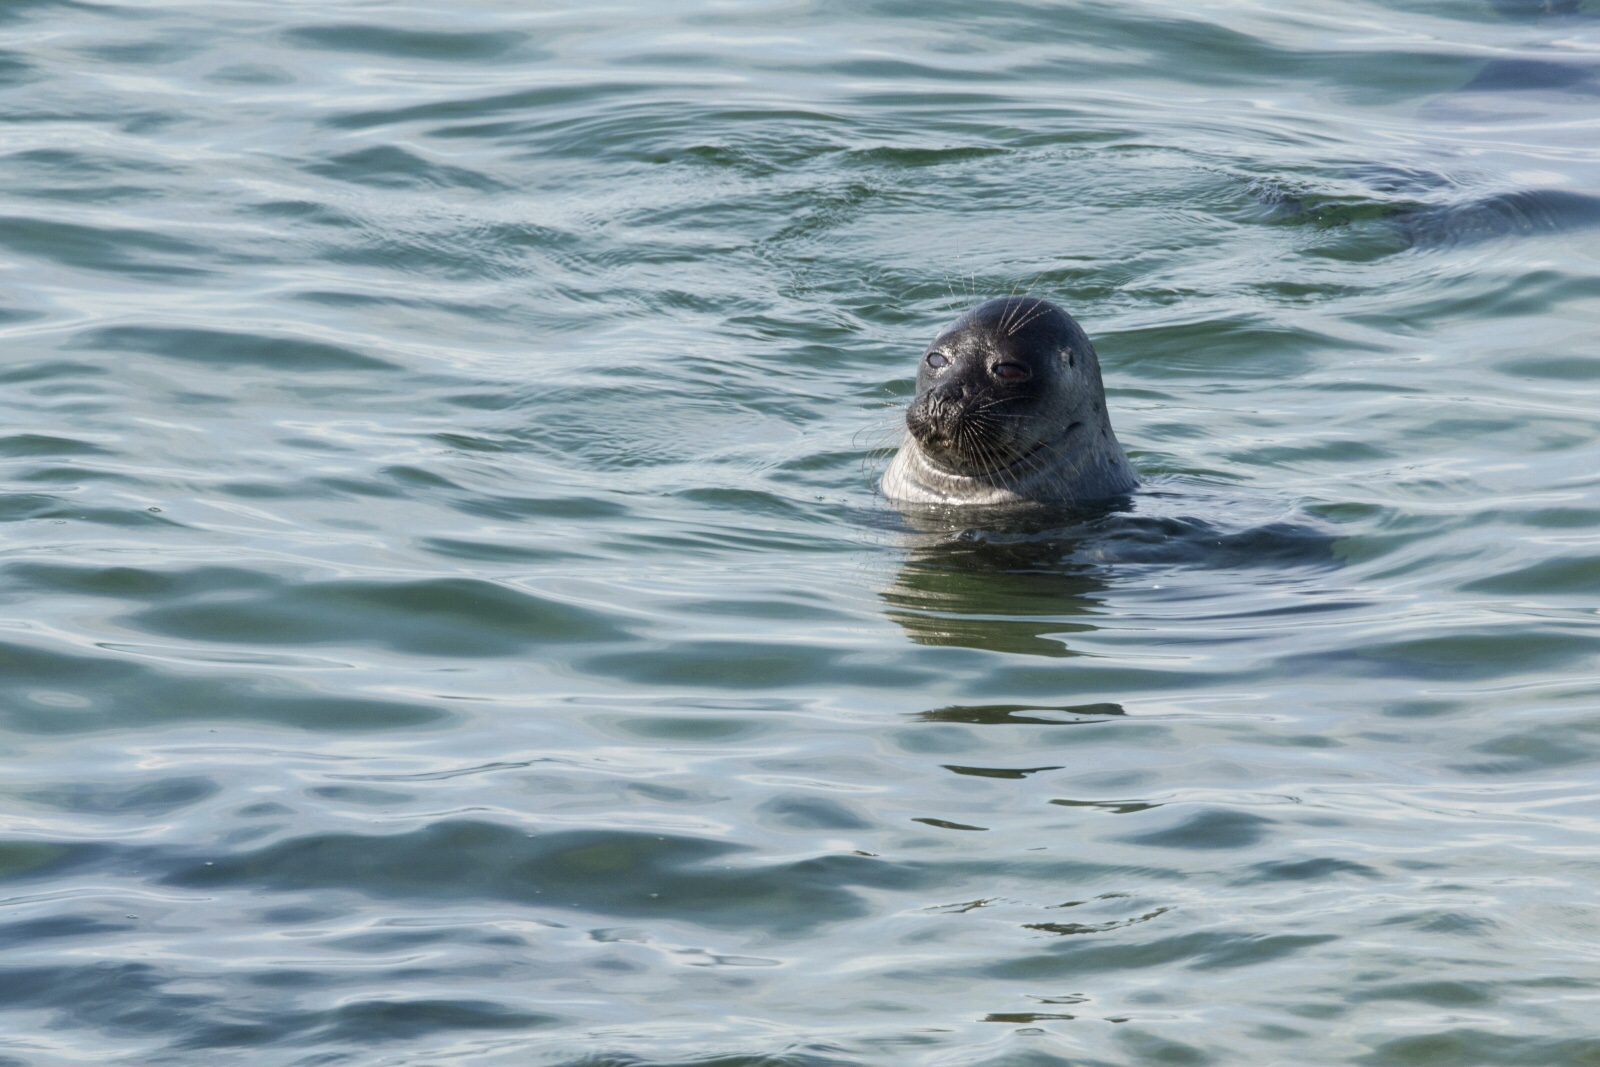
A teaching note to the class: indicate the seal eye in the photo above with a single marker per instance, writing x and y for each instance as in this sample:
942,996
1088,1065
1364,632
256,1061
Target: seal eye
1011,372
936,360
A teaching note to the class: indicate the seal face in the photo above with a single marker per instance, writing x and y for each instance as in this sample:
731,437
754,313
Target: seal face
1010,409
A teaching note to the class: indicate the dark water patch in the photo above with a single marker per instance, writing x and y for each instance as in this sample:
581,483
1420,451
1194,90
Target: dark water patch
1022,714
127,1000
444,45
1438,994
444,775
381,1021
946,824
438,617
1523,212
1469,1047
787,608
18,10
483,442
1024,638
316,213
221,348
799,811
15,935
1013,773
743,501
887,68
690,728
476,312
391,167
77,164
360,794
655,133
1556,368
137,583
1292,203
1536,748
313,489
1317,456
1198,951
366,1023
1213,829
898,157
35,444
61,693
1306,870
623,873
476,108
11,315
1115,807
1470,654
24,507
1440,921
1060,563
106,249
1559,577
1524,75
1149,1047
1237,349
585,508
134,1000
1425,209
1197,542
147,799
1536,8
1077,929
494,551
23,859
152,52
14,69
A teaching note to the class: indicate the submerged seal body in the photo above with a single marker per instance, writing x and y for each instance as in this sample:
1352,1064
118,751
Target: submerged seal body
1010,409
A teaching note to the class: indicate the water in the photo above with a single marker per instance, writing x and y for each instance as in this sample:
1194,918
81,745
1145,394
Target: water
448,617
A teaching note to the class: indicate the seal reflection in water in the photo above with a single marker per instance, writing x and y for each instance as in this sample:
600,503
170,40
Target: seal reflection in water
1010,409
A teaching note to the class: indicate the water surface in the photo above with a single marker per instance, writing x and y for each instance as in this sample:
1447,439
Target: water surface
448,618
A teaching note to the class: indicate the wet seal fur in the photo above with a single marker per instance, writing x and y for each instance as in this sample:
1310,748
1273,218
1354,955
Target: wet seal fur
1010,409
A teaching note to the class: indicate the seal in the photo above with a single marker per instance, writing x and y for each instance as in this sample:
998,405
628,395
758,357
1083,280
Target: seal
1010,409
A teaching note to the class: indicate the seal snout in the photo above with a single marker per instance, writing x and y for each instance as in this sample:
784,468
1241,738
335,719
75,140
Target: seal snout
937,419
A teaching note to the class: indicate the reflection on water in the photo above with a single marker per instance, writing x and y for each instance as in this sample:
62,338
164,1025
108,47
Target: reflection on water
1021,714
1023,581
1010,587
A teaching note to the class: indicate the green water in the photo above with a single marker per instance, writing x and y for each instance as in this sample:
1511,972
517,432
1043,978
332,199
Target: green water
448,617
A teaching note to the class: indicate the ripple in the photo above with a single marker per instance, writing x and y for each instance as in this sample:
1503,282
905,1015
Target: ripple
614,873
520,666
128,696
103,248
225,349
410,44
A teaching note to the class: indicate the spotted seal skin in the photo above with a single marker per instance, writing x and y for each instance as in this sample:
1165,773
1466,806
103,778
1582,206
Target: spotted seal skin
1010,409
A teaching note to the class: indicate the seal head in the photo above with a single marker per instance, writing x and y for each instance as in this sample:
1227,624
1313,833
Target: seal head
1010,409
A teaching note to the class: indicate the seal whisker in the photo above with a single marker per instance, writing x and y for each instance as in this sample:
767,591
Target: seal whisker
1037,312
